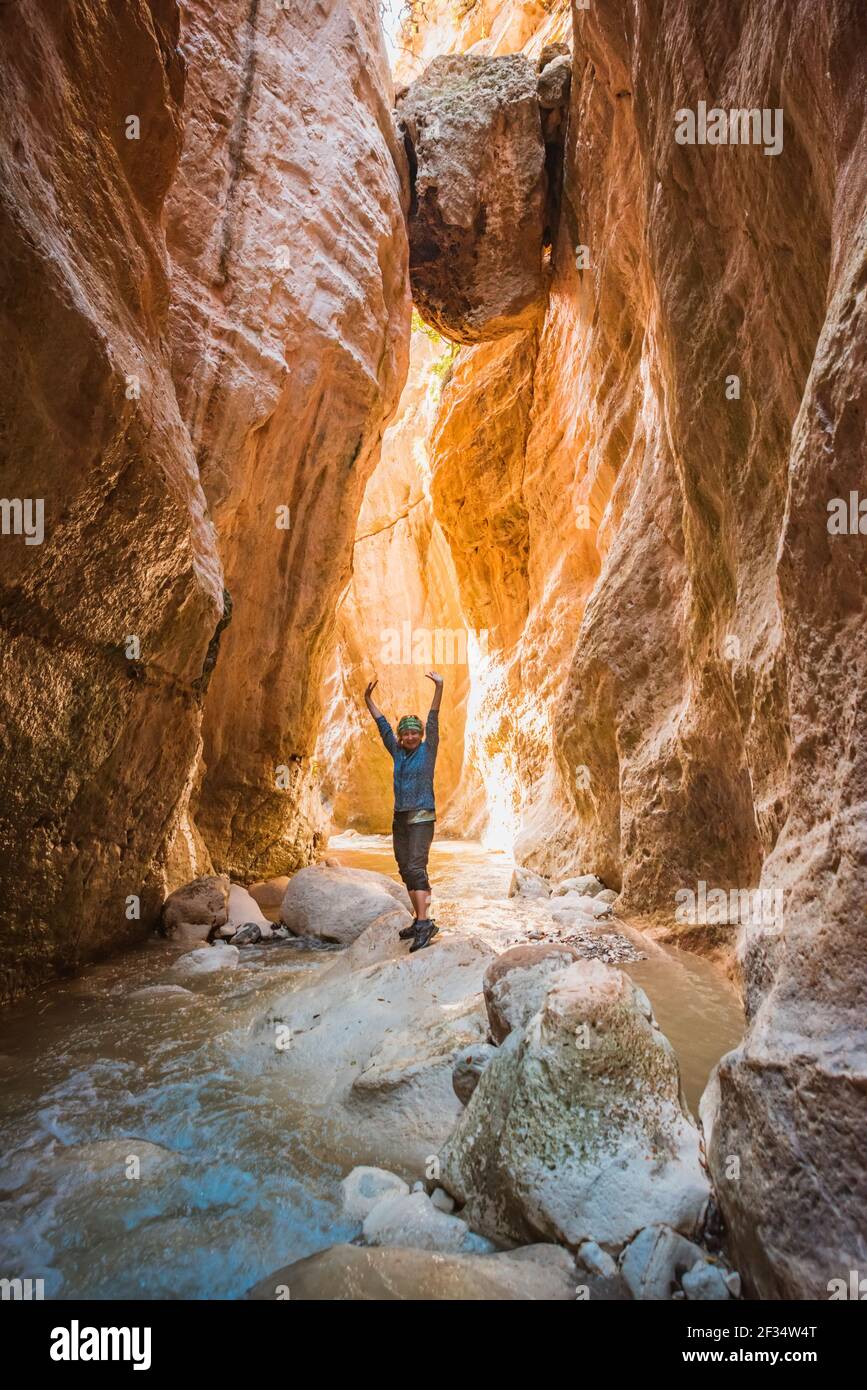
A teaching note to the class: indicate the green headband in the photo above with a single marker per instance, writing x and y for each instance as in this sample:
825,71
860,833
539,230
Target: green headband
410,721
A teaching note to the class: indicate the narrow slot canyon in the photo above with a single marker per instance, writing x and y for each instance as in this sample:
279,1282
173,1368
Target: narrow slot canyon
359,357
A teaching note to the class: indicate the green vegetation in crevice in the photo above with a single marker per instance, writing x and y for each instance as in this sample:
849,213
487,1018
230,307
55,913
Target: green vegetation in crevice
441,369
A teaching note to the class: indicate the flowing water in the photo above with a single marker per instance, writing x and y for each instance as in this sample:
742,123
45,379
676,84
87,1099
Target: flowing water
694,1005
127,1070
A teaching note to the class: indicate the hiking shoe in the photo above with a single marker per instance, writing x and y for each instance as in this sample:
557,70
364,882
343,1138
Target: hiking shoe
406,933
425,934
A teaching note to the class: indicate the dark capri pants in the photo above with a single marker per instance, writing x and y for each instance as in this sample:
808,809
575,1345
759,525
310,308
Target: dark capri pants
411,848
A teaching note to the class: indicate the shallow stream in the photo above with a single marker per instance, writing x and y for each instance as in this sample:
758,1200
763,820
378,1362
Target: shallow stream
125,1062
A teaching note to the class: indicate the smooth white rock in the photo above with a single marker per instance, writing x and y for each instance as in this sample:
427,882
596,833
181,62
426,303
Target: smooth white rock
361,1189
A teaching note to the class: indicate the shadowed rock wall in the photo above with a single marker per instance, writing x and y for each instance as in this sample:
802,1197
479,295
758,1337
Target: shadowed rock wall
105,624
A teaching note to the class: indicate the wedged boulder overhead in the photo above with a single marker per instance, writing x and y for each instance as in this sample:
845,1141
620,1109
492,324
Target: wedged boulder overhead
107,615
576,1130
477,217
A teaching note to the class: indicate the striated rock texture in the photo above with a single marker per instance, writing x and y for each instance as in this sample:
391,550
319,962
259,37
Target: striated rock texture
477,217
674,680
400,616
289,329
105,624
746,750
433,27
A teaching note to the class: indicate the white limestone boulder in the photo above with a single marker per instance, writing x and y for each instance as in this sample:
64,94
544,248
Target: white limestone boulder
207,960
243,910
526,883
361,1189
517,981
338,904
576,1130
413,1220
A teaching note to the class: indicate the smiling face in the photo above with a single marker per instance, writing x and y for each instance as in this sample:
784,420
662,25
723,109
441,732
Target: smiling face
410,740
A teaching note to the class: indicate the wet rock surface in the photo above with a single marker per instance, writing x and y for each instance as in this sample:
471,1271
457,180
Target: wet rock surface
349,1272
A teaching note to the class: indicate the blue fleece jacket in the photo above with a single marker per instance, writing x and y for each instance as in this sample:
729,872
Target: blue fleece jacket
413,772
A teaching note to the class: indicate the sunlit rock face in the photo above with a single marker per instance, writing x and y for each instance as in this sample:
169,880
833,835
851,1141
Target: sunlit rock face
400,616
680,703
719,666
477,214
479,26
289,331
105,623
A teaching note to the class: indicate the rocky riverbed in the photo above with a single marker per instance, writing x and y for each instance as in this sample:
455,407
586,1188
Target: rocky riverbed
176,1131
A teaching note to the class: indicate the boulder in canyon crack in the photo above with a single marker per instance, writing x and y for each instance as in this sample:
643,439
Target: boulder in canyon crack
577,1130
554,81
549,52
477,218
337,904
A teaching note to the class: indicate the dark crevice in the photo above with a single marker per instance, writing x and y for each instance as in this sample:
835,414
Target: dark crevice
554,124
237,142
412,161
201,683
